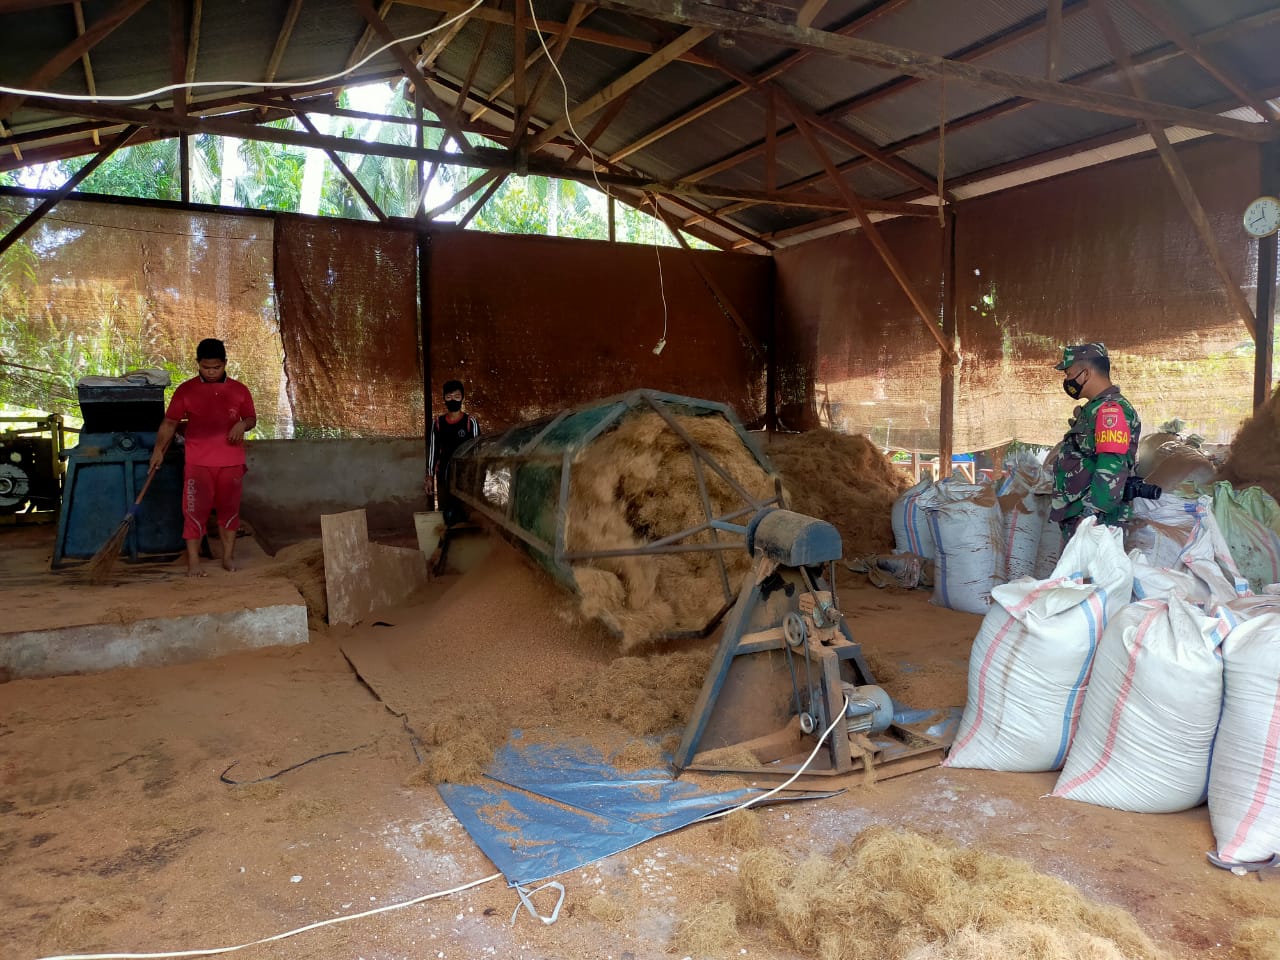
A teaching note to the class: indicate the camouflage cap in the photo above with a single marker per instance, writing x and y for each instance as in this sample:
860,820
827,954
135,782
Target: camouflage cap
1081,351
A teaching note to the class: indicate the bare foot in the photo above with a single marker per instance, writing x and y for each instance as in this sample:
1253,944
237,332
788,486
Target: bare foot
229,566
195,572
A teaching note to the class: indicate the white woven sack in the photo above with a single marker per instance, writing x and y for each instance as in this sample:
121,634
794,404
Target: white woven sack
1203,572
1161,528
965,521
1244,790
1049,547
1151,711
1250,522
1021,525
911,533
1027,673
1096,552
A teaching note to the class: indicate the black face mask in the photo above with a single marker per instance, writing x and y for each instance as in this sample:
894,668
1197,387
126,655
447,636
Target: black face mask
453,406
1073,386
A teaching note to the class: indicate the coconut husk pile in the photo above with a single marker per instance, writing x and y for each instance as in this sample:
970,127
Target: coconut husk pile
1254,457
302,564
896,894
843,479
637,484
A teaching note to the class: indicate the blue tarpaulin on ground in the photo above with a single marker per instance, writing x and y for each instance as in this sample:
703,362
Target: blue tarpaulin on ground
546,809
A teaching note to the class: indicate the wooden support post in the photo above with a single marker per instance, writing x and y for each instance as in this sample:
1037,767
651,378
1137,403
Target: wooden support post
613,223
1264,340
336,160
721,298
73,181
420,141
947,413
184,164
1173,166
1053,39
859,210
424,333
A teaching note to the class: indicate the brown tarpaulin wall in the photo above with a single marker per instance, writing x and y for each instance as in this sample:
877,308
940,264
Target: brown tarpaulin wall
1107,254
349,321
537,324
96,287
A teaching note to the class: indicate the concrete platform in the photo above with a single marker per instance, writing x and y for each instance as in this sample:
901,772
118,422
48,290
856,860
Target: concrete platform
56,623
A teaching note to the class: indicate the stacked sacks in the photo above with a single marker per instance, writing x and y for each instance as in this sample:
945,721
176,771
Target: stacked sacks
1203,572
1147,727
1160,528
1250,522
964,519
1029,668
1244,793
911,533
1023,511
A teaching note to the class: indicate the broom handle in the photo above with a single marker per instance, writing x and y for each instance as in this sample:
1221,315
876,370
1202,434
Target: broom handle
133,511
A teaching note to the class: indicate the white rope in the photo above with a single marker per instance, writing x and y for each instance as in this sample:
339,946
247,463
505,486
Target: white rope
278,85
279,936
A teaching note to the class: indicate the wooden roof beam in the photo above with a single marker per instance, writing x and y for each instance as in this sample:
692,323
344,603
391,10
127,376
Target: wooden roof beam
700,14
336,160
282,40
1165,20
77,10
580,12
460,101
56,65
1173,166
366,35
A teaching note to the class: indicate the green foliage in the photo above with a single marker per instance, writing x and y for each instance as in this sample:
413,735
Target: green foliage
148,170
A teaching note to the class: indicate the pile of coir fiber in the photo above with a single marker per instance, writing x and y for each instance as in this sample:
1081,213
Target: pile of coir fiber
903,896
302,564
843,479
637,484
1254,457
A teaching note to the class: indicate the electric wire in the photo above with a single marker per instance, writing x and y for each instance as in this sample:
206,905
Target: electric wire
200,84
279,936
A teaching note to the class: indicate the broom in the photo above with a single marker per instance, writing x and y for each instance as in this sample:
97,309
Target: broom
105,559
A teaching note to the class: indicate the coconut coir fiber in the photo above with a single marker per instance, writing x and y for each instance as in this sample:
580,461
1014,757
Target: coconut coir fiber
638,483
843,479
1254,457
899,894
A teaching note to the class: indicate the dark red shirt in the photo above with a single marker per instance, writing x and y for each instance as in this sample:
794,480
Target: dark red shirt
211,410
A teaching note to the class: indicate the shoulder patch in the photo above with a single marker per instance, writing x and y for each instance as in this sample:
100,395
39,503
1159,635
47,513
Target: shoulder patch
1111,429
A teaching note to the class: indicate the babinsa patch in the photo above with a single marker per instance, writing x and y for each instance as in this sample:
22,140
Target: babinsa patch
1111,429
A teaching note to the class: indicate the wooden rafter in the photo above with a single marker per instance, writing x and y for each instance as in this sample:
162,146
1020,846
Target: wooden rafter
605,120
769,73
282,40
554,28
1165,20
429,98
441,42
858,208
509,82
177,52
470,190
485,197
1173,166
701,14
460,102
519,41
73,181
56,65
809,11
343,169
77,10
1053,39
579,12
193,41
361,46
633,77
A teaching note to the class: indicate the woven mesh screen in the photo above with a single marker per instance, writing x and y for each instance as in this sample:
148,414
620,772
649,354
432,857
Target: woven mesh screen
1105,254
349,322
537,324
97,289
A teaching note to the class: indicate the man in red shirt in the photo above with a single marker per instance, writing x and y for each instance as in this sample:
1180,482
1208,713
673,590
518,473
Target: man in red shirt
219,412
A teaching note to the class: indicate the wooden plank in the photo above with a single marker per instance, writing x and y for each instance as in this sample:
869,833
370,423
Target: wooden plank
553,28
429,98
576,16
343,169
518,43
581,148
701,14
282,40
809,11
1165,20
77,9
56,65
489,191
348,580
716,291
613,222
859,210
461,102
1173,166
633,77
442,41
73,181
193,41
361,46
1053,39
177,52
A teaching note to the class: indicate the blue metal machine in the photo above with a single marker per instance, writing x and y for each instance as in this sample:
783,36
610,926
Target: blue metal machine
106,470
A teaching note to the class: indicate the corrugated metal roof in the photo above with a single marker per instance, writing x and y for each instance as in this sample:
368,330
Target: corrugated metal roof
237,37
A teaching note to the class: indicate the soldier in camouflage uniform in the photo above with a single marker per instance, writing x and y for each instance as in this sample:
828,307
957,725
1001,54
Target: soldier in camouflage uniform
1098,453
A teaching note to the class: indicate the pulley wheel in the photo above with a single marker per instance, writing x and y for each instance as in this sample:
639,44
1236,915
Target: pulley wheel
794,631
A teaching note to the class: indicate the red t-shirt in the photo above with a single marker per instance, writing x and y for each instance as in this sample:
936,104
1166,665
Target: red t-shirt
211,410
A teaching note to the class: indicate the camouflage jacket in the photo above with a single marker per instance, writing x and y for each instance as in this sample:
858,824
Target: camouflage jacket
1096,458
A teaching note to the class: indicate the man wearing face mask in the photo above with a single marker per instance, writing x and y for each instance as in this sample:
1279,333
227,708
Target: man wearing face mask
449,431
1097,455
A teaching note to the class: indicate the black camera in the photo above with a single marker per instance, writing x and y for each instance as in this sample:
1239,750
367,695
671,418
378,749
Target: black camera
1136,488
